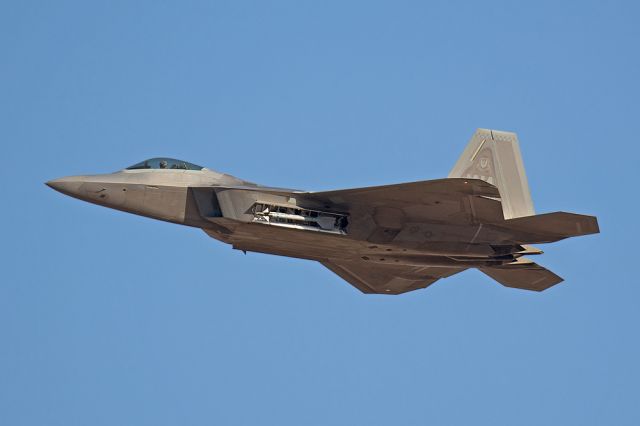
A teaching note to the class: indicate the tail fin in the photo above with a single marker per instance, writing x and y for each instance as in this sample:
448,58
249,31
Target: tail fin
494,156
523,274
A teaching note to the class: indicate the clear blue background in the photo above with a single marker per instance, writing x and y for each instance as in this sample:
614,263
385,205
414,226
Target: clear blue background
111,319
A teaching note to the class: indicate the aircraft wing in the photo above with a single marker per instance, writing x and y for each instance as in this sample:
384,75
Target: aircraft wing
387,279
421,192
410,192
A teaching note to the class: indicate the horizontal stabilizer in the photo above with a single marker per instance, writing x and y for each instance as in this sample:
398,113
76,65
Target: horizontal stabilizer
549,227
412,192
525,275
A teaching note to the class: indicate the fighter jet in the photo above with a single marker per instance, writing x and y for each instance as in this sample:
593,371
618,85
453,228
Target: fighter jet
387,239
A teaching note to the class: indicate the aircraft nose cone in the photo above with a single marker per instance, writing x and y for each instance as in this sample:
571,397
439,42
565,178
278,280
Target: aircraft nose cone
67,185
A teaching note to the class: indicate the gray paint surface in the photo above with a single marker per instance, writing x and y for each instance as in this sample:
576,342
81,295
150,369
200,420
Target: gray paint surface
387,239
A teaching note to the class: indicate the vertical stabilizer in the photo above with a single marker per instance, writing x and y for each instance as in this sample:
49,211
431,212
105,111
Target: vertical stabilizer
494,156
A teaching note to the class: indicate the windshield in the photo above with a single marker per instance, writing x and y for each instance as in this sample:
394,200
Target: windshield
165,163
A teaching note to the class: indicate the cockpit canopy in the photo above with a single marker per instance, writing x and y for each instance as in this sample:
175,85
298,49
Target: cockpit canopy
165,163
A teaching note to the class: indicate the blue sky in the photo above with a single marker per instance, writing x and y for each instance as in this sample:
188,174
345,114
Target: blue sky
108,318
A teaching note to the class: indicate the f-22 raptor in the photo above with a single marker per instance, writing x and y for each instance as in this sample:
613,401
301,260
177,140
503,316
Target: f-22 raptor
387,239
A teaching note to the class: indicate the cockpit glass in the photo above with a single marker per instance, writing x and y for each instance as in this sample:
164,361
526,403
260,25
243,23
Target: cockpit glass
165,163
